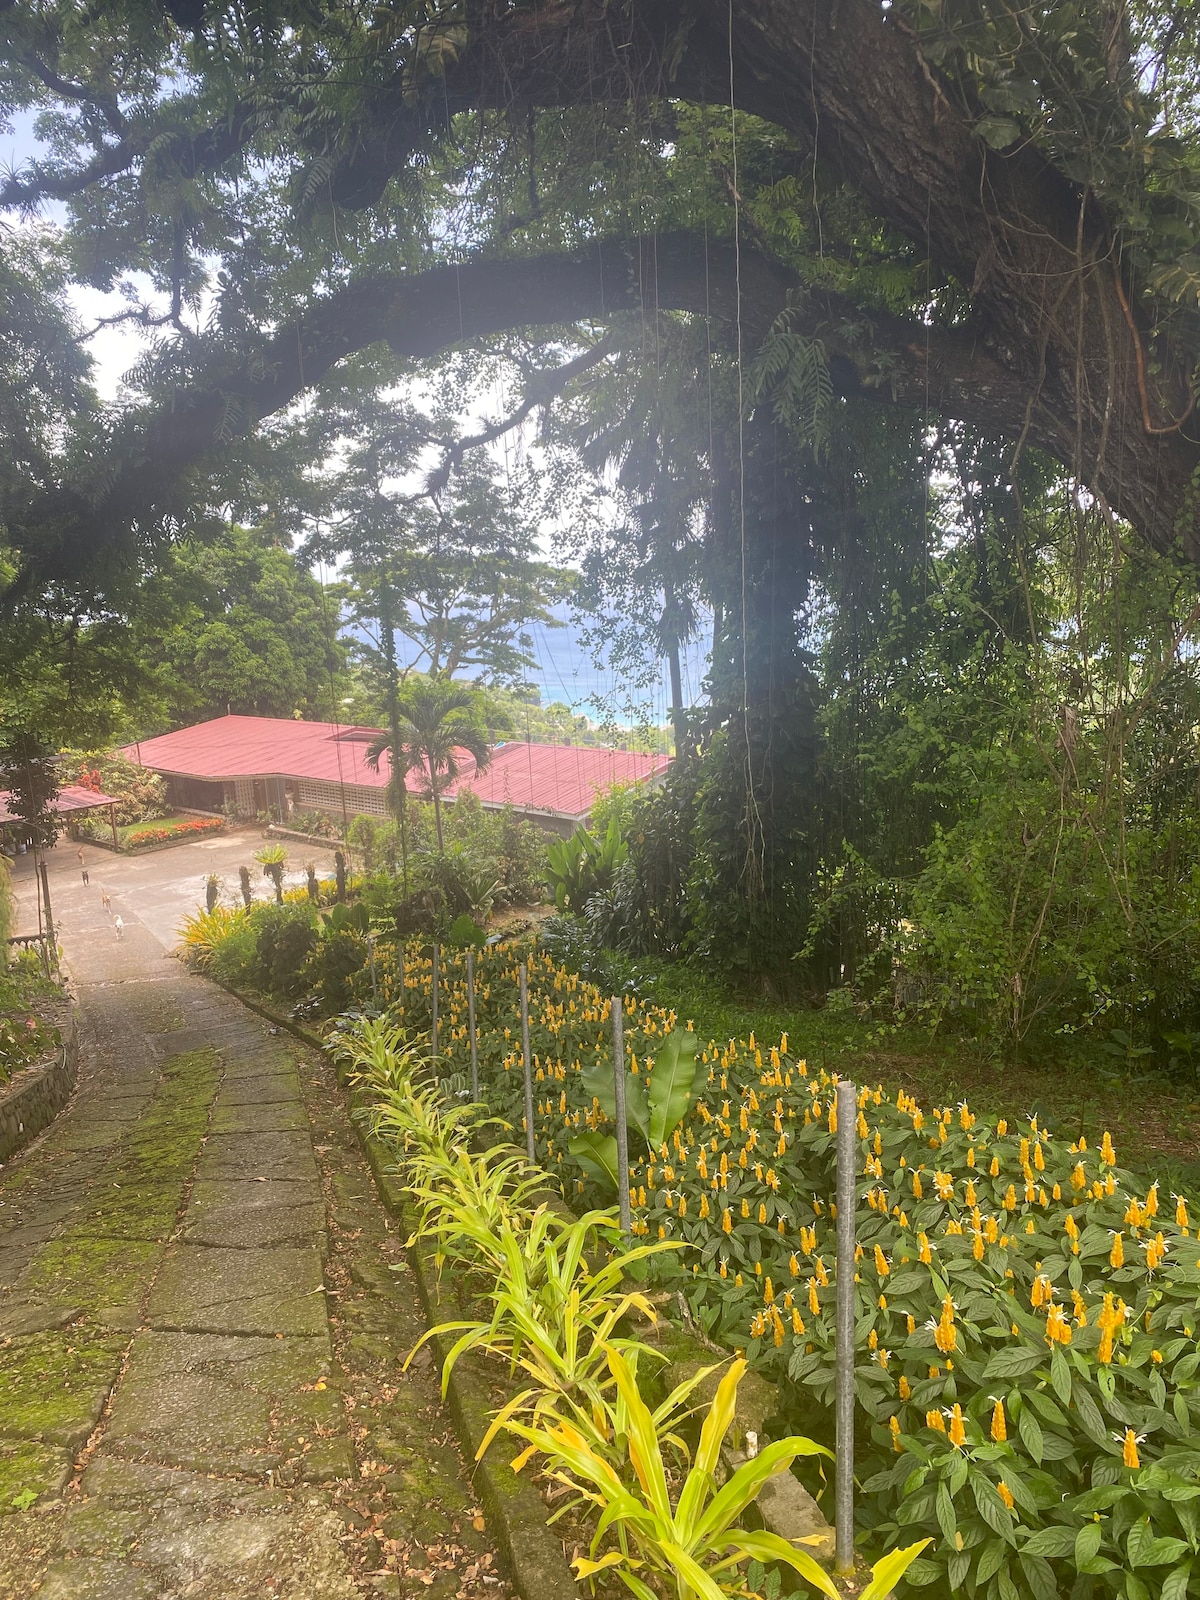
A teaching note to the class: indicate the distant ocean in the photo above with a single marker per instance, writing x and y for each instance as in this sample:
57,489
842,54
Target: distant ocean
565,672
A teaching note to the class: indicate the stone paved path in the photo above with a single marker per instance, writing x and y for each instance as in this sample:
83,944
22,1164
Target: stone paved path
201,1332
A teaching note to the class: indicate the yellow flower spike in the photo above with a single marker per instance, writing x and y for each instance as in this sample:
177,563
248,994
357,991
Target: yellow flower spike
944,1334
1005,1494
1002,1127
894,1425
1116,1256
1181,1212
1010,1198
969,1197
1129,1454
794,1265
904,1388
994,1169
872,1340
935,1420
1056,1192
814,1300
726,1220
1107,1154
881,1263
925,1255
1078,1177
1058,1329
958,1433
999,1425
745,1208
910,1323
1152,1201
797,1322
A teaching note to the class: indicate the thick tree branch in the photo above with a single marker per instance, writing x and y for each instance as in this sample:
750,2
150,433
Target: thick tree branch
68,530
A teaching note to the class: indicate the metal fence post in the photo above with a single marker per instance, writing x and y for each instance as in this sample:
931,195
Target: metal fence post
530,1145
371,963
433,1021
618,1027
471,1025
847,1139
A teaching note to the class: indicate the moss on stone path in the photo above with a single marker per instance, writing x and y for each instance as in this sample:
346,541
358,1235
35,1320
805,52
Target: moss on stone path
203,1317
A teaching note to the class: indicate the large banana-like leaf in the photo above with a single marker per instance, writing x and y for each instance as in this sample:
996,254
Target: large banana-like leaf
671,1082
597,1079
596,1153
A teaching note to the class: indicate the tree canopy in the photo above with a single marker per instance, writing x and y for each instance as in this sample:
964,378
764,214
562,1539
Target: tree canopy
982,214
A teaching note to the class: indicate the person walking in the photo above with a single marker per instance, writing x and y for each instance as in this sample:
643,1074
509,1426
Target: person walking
86,879
118,925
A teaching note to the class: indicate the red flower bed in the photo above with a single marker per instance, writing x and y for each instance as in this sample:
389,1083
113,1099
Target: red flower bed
166,832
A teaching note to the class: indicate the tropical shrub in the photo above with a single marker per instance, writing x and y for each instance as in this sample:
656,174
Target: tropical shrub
284,939
583,865
26,1033
1028,1368
555,1318
141,795
206,933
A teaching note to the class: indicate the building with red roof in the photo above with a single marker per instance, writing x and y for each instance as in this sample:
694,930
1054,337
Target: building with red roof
254,764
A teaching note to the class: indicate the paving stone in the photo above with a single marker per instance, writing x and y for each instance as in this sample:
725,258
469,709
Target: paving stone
18,1317
53,1389
220,1404
248,1215
285,1156
183,1041
266,1088
91,1579
280,1117
210,1289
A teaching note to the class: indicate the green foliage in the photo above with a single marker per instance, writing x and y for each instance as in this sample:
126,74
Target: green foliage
657,1099
141,795
28,772
584,865
27,1035
553,1316
1018,1263
284,939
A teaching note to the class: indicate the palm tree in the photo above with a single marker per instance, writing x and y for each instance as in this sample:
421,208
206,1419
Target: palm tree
437,721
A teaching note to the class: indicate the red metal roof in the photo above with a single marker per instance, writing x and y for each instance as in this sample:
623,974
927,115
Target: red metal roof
559,780
267,747
71,797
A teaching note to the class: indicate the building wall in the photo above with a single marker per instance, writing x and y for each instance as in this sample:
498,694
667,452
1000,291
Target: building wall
313,795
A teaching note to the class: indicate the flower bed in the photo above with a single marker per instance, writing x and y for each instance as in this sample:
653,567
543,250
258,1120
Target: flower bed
1027,1309
173,830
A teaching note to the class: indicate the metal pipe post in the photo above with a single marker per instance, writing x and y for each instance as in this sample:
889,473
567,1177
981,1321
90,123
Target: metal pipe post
471,1025
530,1146
433,1020
847,1177
618,1027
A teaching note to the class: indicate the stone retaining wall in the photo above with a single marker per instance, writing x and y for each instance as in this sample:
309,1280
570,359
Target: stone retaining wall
32,1099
